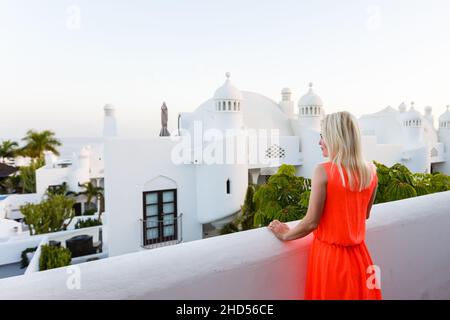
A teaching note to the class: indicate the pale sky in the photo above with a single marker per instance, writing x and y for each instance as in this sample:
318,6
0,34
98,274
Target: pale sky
61,61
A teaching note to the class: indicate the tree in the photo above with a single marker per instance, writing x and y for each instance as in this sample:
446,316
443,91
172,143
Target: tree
51,215
284,197
244,221
38,142
62,189
93,192
398,182
8,149
11,184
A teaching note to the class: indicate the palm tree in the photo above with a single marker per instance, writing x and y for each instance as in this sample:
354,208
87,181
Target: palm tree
62,189
92,192
38,142
8,149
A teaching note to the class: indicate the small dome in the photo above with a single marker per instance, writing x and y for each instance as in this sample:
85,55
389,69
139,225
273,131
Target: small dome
402,107
310,99
228,91
428,109
108,107
412,114
445,116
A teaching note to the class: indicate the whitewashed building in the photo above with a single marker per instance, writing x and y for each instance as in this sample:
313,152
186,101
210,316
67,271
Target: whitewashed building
165,189
160,199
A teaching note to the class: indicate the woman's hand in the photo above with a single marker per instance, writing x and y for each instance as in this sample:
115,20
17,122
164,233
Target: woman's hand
279,229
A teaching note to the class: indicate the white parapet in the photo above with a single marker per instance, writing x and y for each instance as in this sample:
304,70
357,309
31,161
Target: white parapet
408,240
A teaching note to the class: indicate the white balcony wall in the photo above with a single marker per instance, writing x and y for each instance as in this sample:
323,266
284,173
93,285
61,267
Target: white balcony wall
408,240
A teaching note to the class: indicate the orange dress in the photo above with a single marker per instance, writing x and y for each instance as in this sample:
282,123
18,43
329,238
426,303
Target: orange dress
338,265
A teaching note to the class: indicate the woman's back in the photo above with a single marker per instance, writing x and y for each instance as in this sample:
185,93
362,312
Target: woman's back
344,213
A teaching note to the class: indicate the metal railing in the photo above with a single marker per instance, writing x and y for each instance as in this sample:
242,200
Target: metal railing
154,232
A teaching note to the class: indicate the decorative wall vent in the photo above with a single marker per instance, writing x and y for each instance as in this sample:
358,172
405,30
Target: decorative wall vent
275,151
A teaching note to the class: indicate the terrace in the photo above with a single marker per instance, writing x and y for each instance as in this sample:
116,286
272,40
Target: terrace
408,240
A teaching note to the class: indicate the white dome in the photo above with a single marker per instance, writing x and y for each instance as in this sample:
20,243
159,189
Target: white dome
310,99
428,109
445,116
412,114
402,107
228,91
108,107
260,112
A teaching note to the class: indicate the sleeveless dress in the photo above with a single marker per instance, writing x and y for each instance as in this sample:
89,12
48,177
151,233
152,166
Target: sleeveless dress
339,261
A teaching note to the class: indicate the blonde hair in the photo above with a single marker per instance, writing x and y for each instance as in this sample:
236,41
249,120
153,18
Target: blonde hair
342,137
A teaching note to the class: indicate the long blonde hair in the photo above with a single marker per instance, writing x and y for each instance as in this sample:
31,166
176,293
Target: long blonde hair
342,137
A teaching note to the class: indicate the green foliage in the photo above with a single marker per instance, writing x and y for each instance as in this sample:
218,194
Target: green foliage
397,182
8,149
62,189
89,212
38,142
28,175
284,197
50,215
54,257
245,220
24,258
93,192
10,185
87,223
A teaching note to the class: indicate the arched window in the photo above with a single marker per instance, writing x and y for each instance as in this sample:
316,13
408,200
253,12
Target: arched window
434,152
229,105
234,106
228,186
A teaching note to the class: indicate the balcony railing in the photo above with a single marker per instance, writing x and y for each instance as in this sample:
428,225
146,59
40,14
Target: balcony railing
407,239
161,232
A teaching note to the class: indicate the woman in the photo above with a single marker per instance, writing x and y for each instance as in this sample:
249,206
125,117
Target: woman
342,193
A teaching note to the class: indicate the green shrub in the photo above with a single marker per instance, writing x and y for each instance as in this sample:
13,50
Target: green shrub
398,182
54,257
284,197
89,212
50,215
87,223
245,220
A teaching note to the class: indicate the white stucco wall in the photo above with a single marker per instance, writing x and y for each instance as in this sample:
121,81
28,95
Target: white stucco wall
50,176
130,164
10,206
407,240
311,152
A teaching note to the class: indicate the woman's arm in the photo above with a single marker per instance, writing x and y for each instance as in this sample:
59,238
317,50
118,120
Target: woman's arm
316,203
372,199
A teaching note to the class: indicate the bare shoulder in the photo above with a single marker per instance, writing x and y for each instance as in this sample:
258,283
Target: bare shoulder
320,174
372,166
